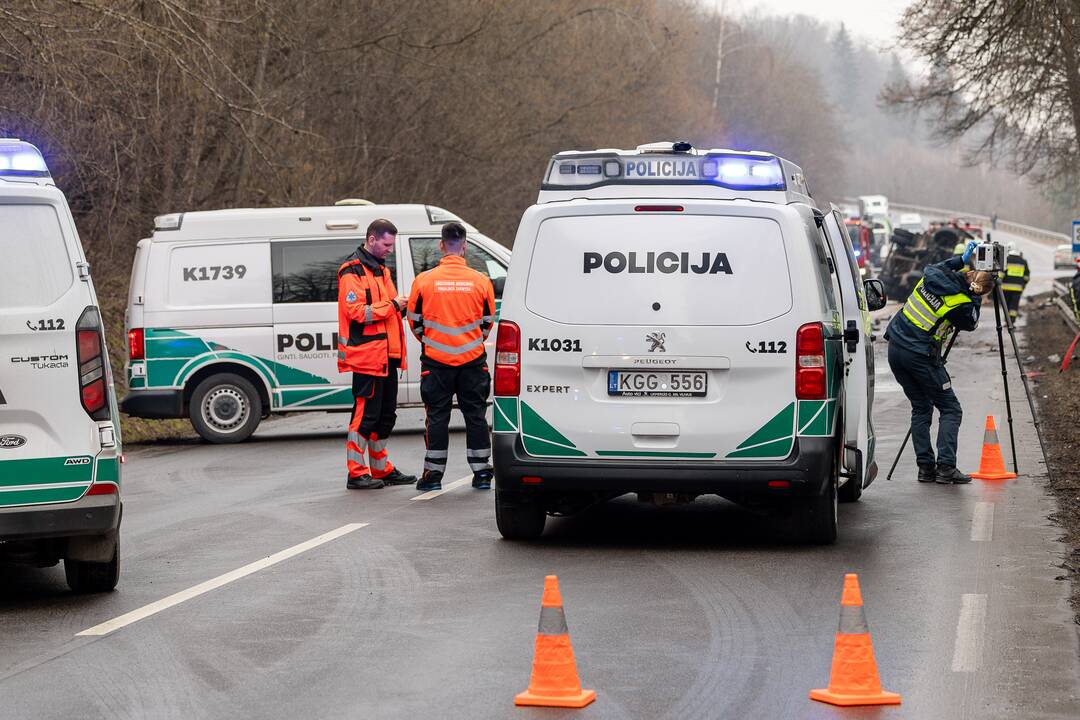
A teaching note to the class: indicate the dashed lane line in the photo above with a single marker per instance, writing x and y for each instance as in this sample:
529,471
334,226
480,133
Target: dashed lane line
982,522
970,631
432,494
175,599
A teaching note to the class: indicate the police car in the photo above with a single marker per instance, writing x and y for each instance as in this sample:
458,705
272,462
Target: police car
59,435
232,314
679,322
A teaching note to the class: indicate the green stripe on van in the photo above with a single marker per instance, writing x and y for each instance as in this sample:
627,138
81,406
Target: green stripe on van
108,470
45,495
649,453
541,438
41,471
777,448
505,415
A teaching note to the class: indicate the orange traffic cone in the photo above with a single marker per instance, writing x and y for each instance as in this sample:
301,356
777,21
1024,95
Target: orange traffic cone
554,681
992,464
854,679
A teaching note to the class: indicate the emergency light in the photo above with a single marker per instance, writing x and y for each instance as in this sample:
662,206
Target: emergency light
728,170
21,159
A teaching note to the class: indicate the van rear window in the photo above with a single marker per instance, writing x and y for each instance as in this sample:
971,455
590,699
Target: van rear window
659,270
36,269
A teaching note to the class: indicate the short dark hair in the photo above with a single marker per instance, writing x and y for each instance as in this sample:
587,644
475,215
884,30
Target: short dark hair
453,231
380,227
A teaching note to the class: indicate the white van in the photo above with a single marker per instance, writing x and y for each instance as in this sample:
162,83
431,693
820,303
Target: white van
873,206
232,314
680,322
59,435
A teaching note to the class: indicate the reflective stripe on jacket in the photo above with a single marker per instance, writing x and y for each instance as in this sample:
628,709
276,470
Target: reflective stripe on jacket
451,311
1016,275
369,326
927,311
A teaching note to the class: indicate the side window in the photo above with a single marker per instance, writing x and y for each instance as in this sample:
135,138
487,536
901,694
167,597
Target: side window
425,253
306,270
484,262
853,264
825,273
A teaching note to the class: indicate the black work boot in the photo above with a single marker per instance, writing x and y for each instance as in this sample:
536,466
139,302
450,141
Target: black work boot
927,473
482,480
363,482
432,480
396,477
949,475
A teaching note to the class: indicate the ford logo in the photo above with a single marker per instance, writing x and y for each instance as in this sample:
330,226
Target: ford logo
12,441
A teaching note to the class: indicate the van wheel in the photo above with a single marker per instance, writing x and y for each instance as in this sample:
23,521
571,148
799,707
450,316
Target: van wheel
518,516
819,514
225,408
93,577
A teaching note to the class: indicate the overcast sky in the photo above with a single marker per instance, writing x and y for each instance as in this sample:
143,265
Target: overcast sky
875,20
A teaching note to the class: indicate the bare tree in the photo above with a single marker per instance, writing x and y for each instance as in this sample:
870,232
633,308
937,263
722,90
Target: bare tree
1004,74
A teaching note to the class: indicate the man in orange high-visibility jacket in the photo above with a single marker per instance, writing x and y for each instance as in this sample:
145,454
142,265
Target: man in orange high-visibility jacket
451,312
371,345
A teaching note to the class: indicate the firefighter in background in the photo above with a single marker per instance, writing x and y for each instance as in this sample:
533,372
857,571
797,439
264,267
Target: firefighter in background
451,311
371,345
1014,280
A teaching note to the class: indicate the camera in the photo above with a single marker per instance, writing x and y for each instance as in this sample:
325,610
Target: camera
990,257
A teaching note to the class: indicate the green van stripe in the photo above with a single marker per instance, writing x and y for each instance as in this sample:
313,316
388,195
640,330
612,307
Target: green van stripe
534,425
644,453
539,447
108,470
44,471
776,448
780,426
506,415
45,495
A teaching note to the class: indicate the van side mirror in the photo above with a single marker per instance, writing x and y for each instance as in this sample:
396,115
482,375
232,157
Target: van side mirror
498,284
875,294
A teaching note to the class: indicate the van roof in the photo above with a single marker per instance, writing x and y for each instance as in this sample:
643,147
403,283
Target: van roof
322,221
673,170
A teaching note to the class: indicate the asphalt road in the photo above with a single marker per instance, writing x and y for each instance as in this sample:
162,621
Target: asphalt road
697,611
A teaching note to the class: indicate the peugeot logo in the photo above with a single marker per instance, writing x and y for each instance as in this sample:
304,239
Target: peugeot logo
11,441
656,341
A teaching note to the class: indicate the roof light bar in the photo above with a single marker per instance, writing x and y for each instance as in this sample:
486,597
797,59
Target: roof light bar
21,159
731,171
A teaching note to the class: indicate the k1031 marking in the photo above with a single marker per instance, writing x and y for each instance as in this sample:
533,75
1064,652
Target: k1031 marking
554,345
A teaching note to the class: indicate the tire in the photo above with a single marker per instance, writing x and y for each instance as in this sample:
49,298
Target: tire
818,520
225,408
93,577
518,516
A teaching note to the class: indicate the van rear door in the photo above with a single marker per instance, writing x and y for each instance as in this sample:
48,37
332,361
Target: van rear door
660,334
48,441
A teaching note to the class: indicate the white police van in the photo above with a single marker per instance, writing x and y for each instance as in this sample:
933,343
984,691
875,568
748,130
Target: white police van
680,322
59,435
232,314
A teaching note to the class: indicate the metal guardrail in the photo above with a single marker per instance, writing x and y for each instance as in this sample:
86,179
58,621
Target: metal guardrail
1064,303
1047,237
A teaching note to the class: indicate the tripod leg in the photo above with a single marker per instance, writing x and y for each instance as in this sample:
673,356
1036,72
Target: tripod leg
999,303
1027,391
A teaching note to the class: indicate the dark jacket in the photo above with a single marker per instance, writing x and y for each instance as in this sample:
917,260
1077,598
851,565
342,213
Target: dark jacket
942,279
1075,293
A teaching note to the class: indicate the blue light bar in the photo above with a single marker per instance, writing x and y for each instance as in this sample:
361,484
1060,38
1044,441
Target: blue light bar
21,159
731,171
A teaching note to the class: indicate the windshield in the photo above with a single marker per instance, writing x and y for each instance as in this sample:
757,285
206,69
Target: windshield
36,269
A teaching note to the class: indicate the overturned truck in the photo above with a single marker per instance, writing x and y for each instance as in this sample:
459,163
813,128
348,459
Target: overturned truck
910,252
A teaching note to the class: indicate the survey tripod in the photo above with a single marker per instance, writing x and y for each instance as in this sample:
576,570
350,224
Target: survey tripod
1000,311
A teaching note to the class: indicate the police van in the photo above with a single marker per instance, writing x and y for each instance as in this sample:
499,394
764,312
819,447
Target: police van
59,430
232,314
679,322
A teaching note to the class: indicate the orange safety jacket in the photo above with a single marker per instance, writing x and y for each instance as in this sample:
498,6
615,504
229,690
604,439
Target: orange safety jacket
370,331
451,312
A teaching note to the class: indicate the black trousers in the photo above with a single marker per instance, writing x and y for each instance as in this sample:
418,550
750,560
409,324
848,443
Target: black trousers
1012,301
438,387
373,419
927,385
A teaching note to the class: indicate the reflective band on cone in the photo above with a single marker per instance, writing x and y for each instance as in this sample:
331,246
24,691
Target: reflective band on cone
554,681
854,677
992,464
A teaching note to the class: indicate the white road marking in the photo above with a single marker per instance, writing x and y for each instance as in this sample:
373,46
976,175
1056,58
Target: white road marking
432,494
982,522
970,631
175,599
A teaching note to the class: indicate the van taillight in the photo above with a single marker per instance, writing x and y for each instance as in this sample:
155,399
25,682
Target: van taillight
93,375
508,359
136,344
810,362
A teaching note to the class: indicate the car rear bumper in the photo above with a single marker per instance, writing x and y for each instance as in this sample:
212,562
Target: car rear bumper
91,515
806,469
168,403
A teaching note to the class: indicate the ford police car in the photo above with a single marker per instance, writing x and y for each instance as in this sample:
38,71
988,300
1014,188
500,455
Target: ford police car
679,322
59,435
232,314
